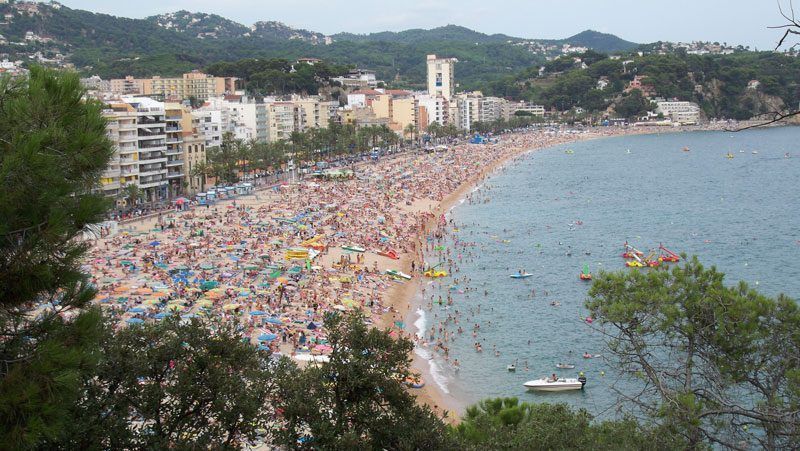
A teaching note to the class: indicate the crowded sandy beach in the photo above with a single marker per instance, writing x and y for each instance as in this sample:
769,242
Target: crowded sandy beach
277,260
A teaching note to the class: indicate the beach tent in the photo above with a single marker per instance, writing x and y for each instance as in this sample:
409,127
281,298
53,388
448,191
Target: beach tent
267,337
134,321
273,320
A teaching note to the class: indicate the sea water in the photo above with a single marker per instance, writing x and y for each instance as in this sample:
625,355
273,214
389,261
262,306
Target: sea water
553,211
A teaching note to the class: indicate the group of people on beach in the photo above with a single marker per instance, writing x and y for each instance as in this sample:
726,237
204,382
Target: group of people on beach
274,263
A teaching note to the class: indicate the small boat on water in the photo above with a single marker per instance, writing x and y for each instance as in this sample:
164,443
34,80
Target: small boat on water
729,156
755,152
521,276
557,384
511,368
569,151
565,366
685,149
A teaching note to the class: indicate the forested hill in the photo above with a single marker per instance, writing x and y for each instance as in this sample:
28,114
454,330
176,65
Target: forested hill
173,43
601,42
736,86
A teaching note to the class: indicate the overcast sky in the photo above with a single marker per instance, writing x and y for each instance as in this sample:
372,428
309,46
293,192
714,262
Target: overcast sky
734,21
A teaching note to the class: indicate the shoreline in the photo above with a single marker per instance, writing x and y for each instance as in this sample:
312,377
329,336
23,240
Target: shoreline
444,403
396,202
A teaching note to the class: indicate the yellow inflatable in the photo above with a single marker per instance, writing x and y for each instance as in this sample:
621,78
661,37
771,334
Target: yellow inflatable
435,273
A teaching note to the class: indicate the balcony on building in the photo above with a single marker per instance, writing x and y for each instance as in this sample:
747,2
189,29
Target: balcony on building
153,145
151,171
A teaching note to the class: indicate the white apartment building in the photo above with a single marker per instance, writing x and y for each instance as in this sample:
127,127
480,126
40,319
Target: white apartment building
152,144
174,114
281,120
492,109
441,76
468,109
527,107
210,126
437,108
358,78
137,129
680,112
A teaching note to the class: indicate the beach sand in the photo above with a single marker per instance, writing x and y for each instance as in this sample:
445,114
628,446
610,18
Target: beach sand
397,300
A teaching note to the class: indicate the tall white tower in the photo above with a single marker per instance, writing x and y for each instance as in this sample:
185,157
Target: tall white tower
441,76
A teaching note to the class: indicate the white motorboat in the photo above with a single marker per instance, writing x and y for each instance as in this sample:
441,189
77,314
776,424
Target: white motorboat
565,366
560,384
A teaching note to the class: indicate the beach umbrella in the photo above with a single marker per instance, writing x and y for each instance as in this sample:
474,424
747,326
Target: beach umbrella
121,289
257,313
162,315
273,320
134,321
155,243
232,306
207,266
205,303
144,291
174,307
137,310
311,326
251,268
267,337
188,316
209,285
152,302
262,347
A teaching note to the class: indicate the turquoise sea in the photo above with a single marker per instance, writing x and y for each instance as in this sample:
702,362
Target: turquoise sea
550,212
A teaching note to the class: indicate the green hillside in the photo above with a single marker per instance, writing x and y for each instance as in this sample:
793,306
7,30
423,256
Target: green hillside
170,44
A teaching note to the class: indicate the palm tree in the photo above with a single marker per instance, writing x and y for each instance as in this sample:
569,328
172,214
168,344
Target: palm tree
411,129
131,193
202,170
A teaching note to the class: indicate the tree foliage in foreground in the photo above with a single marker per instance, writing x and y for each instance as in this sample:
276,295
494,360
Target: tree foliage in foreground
53,149
357,400
175,383
716,364
507,424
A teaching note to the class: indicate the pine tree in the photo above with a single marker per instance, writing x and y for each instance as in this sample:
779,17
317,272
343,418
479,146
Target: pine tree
53,150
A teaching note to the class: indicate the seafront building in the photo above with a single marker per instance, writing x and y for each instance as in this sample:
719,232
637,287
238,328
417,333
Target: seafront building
159,146
192,85
441,76
137,129
685,113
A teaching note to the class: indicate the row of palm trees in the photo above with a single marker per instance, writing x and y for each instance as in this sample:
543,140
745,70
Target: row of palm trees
236,159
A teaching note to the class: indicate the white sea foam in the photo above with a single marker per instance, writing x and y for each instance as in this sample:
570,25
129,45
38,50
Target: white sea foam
433,367
420,323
